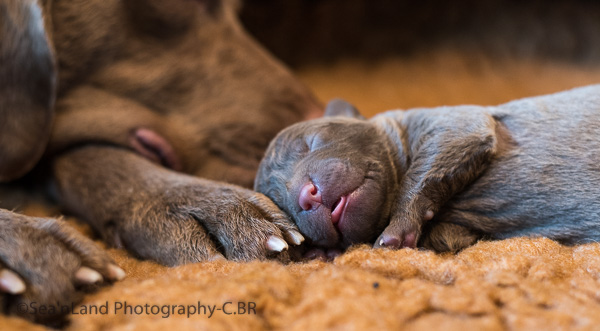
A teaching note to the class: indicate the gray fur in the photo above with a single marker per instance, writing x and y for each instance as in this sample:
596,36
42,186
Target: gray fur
179,82
525,168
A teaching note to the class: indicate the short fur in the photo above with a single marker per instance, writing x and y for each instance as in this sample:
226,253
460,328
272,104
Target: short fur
177,82
528,167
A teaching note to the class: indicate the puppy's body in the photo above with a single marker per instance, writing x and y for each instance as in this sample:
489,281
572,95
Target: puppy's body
543,179
529,167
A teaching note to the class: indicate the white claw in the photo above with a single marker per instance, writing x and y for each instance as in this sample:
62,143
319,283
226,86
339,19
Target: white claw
10,282
88,276
276,244
428,215
297,237
116,273
381,242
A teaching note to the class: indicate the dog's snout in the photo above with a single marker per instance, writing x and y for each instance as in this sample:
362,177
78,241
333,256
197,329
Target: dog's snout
309,197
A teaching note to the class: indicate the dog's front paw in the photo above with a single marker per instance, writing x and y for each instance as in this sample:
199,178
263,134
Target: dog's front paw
406,222
203,220
396,237
447,237
46,266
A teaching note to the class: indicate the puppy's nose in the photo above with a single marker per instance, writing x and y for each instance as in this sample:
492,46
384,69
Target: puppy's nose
310,197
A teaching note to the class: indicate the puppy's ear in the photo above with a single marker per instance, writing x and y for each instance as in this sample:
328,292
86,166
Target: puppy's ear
340,107
27,86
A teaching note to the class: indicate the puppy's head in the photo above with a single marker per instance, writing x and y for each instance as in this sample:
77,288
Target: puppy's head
334,176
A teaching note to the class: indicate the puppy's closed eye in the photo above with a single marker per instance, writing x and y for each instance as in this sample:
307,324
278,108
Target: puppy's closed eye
316,141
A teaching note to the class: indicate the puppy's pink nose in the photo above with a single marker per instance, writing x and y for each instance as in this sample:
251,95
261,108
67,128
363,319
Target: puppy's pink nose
310,197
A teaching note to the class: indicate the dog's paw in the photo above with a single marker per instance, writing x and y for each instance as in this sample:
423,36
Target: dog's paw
202,220
396,237
447,237
401,233
406,223
46,266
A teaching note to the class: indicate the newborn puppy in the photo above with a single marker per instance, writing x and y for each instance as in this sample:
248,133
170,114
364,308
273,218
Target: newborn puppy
442,177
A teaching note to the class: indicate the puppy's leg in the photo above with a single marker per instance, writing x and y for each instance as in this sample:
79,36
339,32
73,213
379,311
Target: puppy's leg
447,237
44,262
167,216
448,149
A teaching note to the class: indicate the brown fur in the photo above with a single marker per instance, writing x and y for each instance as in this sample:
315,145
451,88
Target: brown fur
180,83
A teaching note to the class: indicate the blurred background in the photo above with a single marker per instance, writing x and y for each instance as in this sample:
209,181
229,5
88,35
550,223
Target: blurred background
385,54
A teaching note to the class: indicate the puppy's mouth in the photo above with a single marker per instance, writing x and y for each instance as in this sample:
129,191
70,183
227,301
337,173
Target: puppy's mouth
348,207
338,210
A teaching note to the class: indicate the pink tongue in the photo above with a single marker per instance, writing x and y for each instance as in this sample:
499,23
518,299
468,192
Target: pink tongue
337,209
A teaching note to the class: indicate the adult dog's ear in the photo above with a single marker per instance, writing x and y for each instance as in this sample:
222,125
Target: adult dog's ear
27,86
340,107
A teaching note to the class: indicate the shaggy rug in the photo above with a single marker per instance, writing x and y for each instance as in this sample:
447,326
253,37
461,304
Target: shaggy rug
520,283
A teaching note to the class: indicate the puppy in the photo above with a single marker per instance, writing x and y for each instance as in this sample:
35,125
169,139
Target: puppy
442,177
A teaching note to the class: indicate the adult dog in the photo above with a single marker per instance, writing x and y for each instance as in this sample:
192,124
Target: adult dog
141,110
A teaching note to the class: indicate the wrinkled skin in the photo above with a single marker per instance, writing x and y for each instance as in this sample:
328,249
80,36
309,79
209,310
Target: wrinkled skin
443,177
335,177
350,164
142,110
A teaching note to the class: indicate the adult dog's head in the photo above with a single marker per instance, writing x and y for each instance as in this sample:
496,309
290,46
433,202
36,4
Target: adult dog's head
184,69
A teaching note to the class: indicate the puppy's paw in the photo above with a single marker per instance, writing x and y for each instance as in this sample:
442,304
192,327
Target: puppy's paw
397,238
405,226
46,266
402,233
447,237
203,220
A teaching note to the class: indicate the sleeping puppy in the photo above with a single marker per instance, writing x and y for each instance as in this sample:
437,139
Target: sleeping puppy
442,177
150,118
